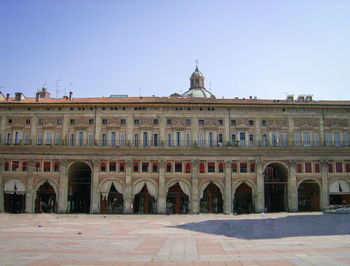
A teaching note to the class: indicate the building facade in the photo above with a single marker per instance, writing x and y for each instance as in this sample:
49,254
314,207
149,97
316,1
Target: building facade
190,153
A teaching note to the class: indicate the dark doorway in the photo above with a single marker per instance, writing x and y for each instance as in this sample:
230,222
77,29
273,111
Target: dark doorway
211,202
113,203
14,203
144,203
276,187
45,199
308,196
177,200
243,200
79,188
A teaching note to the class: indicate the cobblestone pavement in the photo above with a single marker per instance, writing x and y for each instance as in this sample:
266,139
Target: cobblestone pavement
276,239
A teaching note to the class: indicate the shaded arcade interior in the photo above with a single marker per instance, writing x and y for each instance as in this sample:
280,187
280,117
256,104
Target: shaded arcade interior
79,188
45,200
14,196
243,199
309,196
112,203
144,202
211,200
177,201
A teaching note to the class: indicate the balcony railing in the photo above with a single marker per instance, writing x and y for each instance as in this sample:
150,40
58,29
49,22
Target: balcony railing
174,144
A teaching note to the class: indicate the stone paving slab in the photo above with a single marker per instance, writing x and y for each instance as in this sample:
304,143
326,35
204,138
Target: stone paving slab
205,239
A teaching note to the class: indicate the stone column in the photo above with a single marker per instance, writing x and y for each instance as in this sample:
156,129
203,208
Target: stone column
324,190
95,193
260,197
228,188
292,188
161,191
128,200
195,192
29,192
1,185
63,187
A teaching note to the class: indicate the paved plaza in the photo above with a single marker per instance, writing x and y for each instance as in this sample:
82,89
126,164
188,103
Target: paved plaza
276,239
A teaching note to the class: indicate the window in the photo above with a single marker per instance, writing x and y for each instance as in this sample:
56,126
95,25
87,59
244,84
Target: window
201,138
155,139
59,121
188,139
72,121
178,167
168,121
136,167
58,138
168,139
39,138
188,168
317,168
10,121
47,166
328,139
284,139
122,138
18,137
211,167
40,121
233,138
91,121
201,168
220,138
104,121
122,121
330,168
263,123
201,122
274,139
188,122
136,122
306,138
145,167
346,139
234,168
221,167
15,165
178,139
90,138
251,123
336,136
251,138
7,166
112,166
48,137
242,139
243,167
211,139
339,167
145,139
233,122
37,166
316,139
307,167
155,168
71,139
104,139
155,121
168,167
347,167
56,167
252,167
264,140
24,166
299,168
103,167
136,139
121,167
8,138
28,121
297,138
220,122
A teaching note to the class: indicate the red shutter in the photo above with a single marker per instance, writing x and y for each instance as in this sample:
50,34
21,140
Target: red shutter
201,167
299,168
317,168
330,168
234,167
188,168
339,167
307,167
347,167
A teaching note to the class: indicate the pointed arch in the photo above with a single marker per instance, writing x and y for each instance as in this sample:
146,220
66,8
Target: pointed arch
184,184
150,184
106,185
204,185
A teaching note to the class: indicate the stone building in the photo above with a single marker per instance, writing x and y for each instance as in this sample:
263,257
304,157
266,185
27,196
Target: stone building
190,153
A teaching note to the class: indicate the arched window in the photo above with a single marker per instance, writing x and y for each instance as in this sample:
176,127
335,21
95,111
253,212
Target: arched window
201,167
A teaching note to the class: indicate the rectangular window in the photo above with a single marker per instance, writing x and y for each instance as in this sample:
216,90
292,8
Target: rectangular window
58,138
234,168
56,167
220,138
274,139
155,139
299,168
336,136
168,139
221,167
8,138
122,121
243,167
330,168
24,166
41,122
145,139
48,137
72,121
233,138
90,138
284,139
178,139
39,138
242,139
121,167
250,122
233,122
220,122
168,121
211,139
91,121
252,167
306,139
339,167
7,166
18,137
201,168
188,139
104,139
136,139
307,167
71,139
80,138
201,139
155,168
136,122
59,121
47,166
211,167
346,139
122,138
155,121
264,140
188,122
251,138
347,167
316,139
178,167
145,167
201,122
103,167
297,138
104,121
112,166
317,168
15,165
328,139
113,139
136,167
263,123
168,167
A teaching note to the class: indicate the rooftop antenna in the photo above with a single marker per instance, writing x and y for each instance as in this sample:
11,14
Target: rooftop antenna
56,86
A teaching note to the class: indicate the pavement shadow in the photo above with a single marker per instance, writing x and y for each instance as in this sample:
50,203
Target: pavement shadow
269,228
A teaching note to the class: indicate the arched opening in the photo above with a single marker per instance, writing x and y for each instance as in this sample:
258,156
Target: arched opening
144,203
276,187
339,193
177,200
308,196
243,199
113,203
45,199
79,188
14,198
211,201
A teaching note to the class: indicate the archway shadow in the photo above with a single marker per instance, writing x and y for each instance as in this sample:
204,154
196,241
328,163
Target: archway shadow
269,228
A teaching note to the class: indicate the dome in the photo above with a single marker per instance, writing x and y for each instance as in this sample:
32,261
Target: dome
198,93
197,73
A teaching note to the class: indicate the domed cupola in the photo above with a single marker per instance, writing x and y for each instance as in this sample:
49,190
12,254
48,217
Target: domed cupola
197,86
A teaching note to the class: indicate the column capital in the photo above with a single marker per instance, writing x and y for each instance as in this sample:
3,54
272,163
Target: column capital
292,163
228,163
195,163
128,163
162,163
324,163
95,162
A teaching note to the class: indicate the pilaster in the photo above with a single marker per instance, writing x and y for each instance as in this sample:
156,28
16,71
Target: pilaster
292,187
290,136
95,195
260,206
161,192
228,188
128,208
195,131
29,192
325,191
195,191
63,187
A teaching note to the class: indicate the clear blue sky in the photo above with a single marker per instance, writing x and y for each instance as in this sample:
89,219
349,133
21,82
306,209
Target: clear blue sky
259,48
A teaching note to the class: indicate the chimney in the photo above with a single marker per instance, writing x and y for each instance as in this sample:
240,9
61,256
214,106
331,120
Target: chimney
37,97
70,96
19,96
7,96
